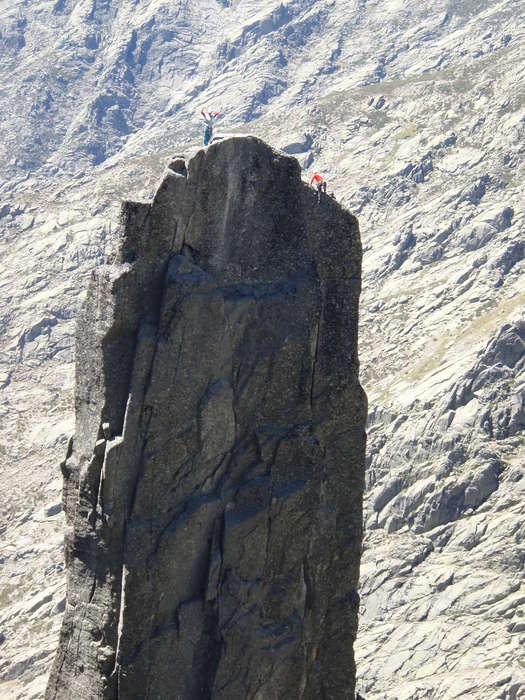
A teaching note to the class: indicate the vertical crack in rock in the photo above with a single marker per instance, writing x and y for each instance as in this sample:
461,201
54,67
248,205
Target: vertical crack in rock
314,362
213,488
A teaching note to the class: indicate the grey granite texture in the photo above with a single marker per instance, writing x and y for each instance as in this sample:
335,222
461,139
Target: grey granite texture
213,486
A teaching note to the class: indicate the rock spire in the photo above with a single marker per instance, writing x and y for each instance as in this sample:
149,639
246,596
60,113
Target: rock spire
213,486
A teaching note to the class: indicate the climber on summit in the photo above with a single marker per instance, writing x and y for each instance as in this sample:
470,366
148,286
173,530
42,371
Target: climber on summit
319,185
209,121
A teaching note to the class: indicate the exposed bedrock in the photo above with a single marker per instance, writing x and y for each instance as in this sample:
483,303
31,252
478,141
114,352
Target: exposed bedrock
213,487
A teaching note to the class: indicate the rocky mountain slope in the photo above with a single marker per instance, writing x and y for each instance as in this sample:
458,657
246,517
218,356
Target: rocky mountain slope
416,114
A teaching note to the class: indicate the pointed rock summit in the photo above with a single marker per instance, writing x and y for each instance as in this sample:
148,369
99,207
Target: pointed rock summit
213,487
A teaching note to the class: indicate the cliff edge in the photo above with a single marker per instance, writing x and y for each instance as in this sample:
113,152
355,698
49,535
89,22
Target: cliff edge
213,487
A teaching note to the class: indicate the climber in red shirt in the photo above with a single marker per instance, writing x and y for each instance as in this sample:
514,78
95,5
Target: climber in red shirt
319,185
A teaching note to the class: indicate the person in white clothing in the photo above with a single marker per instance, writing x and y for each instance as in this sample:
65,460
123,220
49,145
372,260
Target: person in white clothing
209,121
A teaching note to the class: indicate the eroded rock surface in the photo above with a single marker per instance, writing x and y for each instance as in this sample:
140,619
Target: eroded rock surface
213,487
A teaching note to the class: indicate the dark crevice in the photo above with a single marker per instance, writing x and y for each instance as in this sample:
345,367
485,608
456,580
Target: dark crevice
314,362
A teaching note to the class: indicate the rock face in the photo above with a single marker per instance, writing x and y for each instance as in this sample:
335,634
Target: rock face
415,114
213,487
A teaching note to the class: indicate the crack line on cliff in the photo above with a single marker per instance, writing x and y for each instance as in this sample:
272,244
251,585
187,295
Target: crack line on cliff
314,359
174,237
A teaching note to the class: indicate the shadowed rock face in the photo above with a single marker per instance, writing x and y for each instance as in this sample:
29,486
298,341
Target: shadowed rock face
213,487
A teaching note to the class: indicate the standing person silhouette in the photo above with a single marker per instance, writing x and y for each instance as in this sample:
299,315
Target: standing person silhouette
319,185
209,121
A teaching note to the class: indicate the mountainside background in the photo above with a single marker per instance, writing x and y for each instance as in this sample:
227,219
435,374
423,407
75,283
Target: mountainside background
415,113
